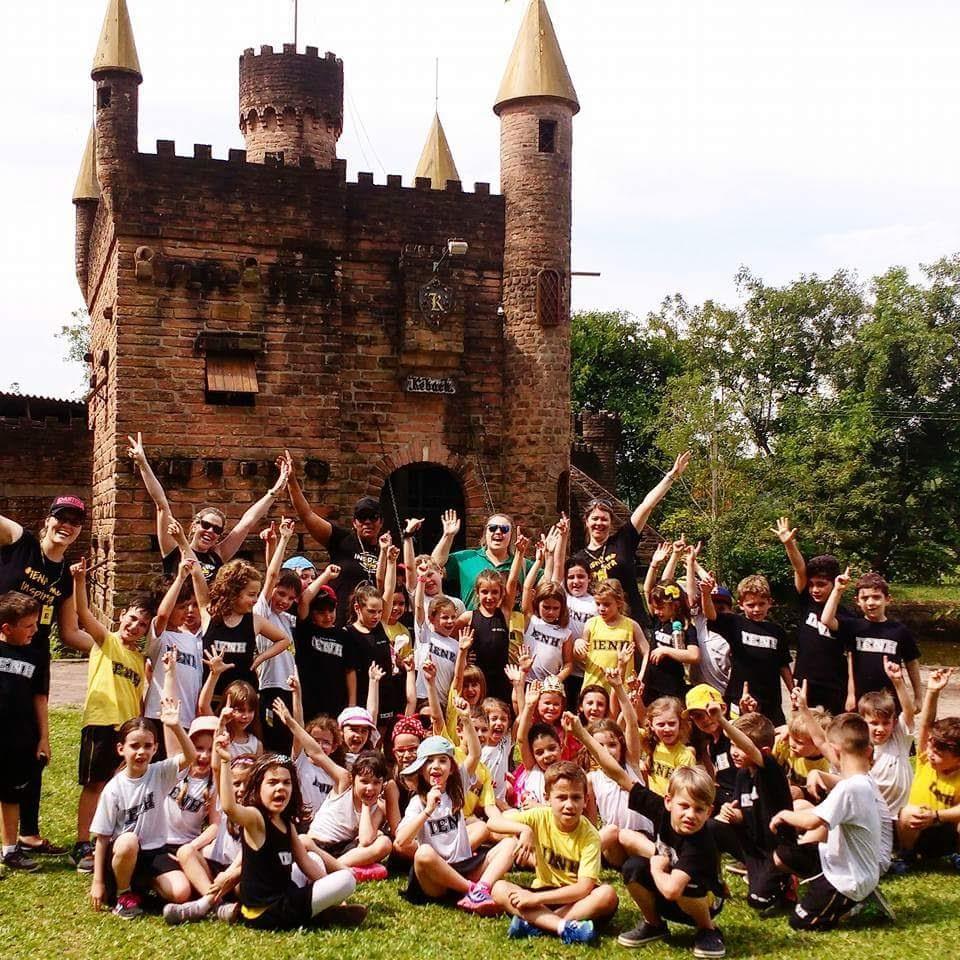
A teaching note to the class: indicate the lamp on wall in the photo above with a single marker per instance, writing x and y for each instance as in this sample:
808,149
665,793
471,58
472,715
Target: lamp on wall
454,248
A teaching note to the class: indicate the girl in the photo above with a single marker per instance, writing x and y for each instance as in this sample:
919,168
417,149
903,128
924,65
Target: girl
358,730
497,747
547,638
581,607
270,845
606,634
321,650
131,819
231,626
434,825
540,745
436,641
594,703
711,745
665,742
244,725
408,734
674,643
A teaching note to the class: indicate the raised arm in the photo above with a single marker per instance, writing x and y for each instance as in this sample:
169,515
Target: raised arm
563,542
641,515
464,643
737,737
170,598
660,554
339,775
375,675
85,617
829,616
530,581
525,723
814,731
233,541
318,527
248,818
628,717
515,575
928,712
571,723
389,575
10,531
138,455
470,739
409,555
329,574
451,527
276,558
691,583
437,718
787,535
677,549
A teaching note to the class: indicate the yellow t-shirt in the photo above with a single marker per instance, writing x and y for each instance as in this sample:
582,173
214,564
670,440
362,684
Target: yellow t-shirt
605,643
394,631
480,792
797,768
664,761
115,682
934,790
562,858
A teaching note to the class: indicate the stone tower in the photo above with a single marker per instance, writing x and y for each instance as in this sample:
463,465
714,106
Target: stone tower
536,103
291,105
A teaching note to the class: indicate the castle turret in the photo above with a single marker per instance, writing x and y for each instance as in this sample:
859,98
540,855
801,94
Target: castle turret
291,104
116,72
536,104
436,161
86,199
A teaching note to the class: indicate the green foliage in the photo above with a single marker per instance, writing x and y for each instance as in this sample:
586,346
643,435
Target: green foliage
76,338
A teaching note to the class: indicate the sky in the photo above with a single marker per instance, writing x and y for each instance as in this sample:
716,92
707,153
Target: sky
789,137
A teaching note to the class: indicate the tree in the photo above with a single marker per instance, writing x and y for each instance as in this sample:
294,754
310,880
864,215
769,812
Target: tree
76,337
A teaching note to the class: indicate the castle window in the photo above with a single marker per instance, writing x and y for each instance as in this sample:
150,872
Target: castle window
231,380
549,298
547,136
103,98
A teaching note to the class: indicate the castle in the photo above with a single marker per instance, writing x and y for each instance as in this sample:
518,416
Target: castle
405,342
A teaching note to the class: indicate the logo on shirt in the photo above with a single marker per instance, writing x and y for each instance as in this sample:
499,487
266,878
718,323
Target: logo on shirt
230,646
20,668
877,645
815,622
760,640
132,814
187,659
285,857
545,638
559,862
447,824
331,647
443,654
119,670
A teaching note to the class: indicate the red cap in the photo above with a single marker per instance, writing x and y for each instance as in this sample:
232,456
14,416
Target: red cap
66,503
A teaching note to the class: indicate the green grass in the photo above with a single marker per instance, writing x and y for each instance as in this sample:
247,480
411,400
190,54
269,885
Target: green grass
925,592
48,914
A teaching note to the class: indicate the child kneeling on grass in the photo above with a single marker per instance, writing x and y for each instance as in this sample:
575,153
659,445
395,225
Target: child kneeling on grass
566,896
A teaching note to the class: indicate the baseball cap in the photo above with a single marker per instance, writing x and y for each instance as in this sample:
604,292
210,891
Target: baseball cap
723,592
66,503
298,563
431,747
700,696
367,505
206,724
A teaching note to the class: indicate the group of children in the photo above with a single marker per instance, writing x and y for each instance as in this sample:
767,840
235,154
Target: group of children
245,757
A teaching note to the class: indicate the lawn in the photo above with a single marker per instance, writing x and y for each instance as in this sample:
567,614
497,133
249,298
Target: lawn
47,914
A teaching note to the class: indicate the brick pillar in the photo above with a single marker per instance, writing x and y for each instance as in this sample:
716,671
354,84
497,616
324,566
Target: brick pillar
601,432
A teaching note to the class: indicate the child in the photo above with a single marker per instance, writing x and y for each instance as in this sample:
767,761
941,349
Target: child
713,667
497,747
593,703
540,746
437,641
854,848
358,730
664,739
567,895
928,823
305,569
758,648
674,643
23,716
130,823
872,637
607,634
243,725
270,845
798,751
444,862
115,686
679,878
547,638
582,607
711,744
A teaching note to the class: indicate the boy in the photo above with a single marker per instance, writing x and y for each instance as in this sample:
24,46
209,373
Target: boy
115,688
566,895
853,845
872,637
759,652
929,821
23,716
821,656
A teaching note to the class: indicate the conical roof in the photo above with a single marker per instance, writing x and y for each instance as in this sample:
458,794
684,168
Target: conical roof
436,161
536,67
116,49
87,186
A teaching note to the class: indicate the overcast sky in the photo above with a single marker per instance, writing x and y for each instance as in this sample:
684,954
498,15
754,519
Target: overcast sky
792,137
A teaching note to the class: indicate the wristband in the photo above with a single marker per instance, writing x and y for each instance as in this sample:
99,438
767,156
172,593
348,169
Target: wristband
409,534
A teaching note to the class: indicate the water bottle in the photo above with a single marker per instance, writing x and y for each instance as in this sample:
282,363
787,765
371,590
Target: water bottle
677,638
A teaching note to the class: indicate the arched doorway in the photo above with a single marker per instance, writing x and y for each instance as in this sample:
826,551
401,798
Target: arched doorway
423,490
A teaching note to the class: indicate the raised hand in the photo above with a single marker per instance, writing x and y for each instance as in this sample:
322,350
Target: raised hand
680,464
269,534
293,682
79,570
136,451
375,673
843,580
385,540
429,671
221,743
413,525
714,710
169,712
525,662
785,533
462,707
571,724
186,567
625,655
451,523
660,554
522,543
680,545
693,551
939,678
282,711
285,461
175,530
169,661
709,583
287,527
552,540
513,672
748,704
465,639
614,678
580,648
332,571
563,524
393,554
214,661
285,466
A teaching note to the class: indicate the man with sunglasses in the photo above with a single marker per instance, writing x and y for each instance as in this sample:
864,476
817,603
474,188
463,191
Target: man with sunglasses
38,567
355,551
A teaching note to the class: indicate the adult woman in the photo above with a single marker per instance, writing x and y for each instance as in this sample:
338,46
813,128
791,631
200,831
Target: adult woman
613,554
206,539
38,567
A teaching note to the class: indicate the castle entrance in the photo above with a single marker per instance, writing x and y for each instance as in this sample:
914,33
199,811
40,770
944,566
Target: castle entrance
423,490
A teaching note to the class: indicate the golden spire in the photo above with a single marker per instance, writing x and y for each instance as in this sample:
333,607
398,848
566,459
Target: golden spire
87,187
436,161
116,49
536,67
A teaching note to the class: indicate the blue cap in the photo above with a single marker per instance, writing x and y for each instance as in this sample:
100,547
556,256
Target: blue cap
722,592
298,563
431,747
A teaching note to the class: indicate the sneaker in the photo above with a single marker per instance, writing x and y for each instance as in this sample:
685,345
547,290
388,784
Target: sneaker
578,931
190,912
709,943
954,861
128,906
643,933
82,856
374,871
18,860
43,849
520,928
737,868
479,901
902,863
228,912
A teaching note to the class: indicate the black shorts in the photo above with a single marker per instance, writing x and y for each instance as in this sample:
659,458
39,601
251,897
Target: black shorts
801,859
415,893
99,759
150,865
277,738
17,771
822,906
830,698
940,840
765,883
637,870
293,909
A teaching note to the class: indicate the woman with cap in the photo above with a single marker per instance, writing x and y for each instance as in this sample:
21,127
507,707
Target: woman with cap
206,539
354,551
37,566
612,554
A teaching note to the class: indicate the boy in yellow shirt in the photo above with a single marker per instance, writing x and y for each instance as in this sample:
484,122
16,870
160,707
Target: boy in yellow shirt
567,894
116,684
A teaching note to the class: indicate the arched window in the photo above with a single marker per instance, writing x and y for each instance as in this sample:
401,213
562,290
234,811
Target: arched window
549,298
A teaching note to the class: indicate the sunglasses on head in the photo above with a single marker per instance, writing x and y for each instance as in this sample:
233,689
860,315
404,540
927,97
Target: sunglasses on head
600,502
498,528
217,528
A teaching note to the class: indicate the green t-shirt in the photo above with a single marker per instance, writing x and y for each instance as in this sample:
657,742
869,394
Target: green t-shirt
466,565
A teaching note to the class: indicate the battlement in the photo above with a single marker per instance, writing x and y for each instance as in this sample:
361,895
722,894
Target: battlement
289,49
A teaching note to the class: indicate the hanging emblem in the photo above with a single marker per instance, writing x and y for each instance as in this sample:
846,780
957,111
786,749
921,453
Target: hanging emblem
435,301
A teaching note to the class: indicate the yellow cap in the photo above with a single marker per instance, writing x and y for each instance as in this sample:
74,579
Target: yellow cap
701,696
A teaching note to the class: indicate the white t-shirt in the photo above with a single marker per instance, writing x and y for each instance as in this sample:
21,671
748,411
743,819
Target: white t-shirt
189,652
714,664
425,621
891,770
238,748
187,816
544,642
137,805
338,820
443,652
316,784
580,609
444,830
854,850
225,846
275,671
613,804
496,758
534,787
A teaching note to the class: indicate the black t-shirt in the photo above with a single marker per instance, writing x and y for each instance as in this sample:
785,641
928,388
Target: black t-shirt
357,562
265,872
758,650
22,678
23,567
725,773
665,679
821,655
696,854
210,562
762,793
869,643
617,560
374,647
490,652
323,655
238,645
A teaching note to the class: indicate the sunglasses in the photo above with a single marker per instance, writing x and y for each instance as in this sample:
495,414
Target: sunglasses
217,528
365,517
600,502
498,528
74,519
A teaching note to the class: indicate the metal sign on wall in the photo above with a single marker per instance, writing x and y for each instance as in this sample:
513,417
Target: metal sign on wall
435,301
414,384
